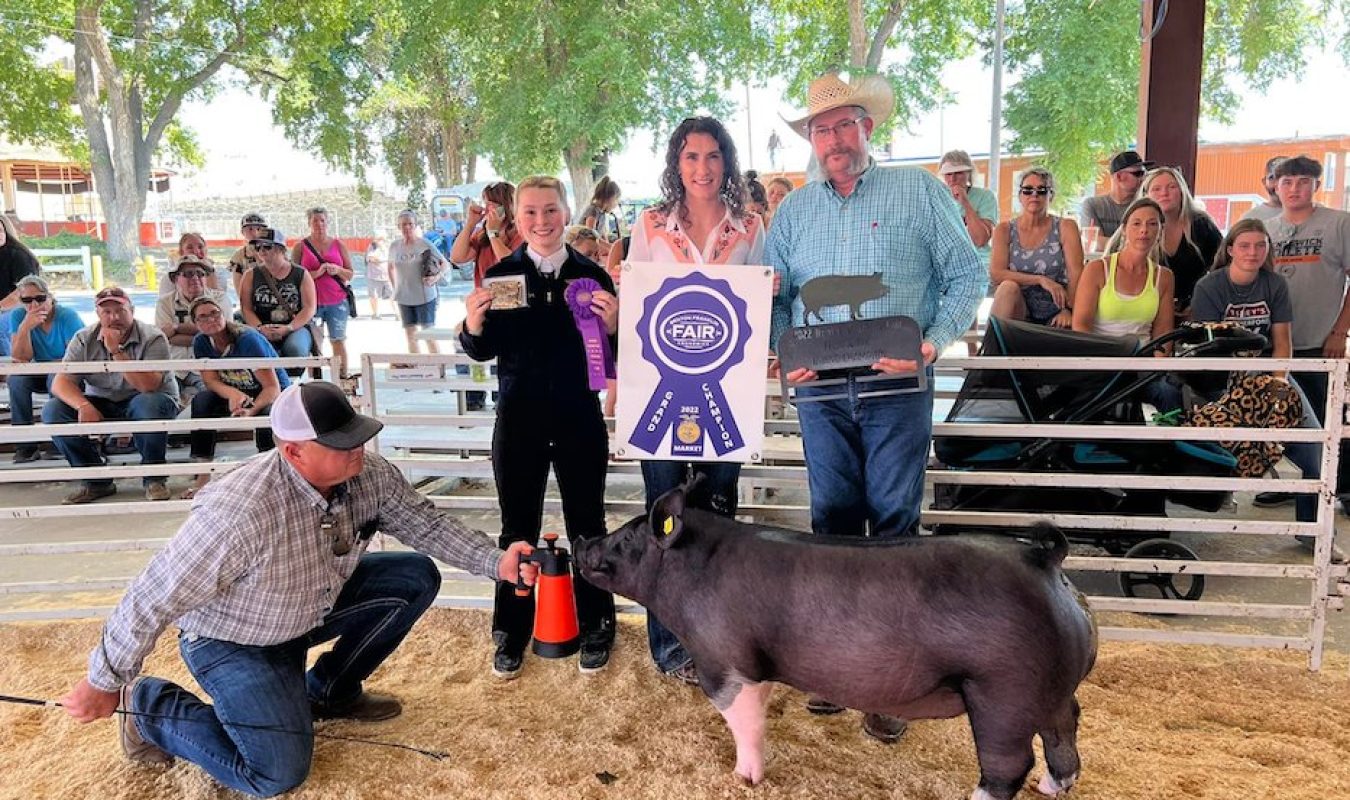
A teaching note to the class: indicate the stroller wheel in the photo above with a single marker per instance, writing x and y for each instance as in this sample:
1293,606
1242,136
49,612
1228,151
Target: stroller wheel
1164,585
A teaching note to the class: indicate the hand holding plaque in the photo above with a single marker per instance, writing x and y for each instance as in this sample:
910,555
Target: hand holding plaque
867,350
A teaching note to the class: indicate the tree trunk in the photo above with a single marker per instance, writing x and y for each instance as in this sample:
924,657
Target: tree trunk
111,102
470,168
857,35
578,159
124,228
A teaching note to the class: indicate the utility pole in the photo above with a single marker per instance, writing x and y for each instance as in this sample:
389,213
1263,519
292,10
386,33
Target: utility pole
996,111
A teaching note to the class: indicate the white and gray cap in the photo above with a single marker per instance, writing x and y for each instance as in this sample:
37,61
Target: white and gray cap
318,411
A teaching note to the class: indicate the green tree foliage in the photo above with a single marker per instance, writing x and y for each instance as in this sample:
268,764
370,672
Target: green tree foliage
134,63
1077,72
907,41
529,85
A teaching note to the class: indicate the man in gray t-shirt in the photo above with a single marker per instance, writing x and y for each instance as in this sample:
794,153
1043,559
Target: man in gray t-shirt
97,396
1104,212
1271,208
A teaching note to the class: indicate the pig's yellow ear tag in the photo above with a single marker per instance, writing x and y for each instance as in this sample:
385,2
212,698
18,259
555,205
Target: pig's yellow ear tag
668,527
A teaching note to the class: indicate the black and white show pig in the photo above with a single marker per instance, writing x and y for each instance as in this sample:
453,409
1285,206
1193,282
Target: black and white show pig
919,628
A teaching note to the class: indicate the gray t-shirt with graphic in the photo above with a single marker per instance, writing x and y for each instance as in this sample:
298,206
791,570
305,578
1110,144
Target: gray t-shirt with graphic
1314,258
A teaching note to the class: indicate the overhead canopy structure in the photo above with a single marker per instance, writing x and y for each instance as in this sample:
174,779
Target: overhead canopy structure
46,172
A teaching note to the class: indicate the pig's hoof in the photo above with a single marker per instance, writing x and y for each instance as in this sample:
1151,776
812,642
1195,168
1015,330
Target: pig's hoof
750,778
1053,788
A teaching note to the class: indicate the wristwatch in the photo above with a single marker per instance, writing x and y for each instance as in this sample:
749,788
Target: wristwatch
491,234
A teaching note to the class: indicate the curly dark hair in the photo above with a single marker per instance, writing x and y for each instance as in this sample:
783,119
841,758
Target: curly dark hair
732,190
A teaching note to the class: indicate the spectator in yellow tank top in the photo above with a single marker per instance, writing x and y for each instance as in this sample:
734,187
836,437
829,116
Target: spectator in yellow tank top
1126,292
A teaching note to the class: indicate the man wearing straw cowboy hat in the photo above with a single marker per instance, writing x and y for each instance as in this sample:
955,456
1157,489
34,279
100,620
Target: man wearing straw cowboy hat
865,456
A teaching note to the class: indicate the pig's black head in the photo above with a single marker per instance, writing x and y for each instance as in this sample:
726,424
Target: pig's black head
627,561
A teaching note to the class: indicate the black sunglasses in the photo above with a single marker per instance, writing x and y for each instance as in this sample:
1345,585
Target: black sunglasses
1039,191
37,298
263,248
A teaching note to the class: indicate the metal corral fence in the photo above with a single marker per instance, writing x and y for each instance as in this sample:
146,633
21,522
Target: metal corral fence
453,443
458,444
120,514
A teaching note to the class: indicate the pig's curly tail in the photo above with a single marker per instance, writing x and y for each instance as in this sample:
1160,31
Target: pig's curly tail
1048,546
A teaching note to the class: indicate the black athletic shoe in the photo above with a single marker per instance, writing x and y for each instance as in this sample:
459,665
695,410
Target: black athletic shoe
506,662
1272,499
595,649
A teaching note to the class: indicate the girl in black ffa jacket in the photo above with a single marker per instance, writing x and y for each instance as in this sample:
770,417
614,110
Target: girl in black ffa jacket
547,414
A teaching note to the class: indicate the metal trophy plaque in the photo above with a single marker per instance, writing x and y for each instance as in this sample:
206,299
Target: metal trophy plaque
842,350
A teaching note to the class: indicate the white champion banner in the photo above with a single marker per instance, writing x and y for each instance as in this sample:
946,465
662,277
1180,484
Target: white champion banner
693,344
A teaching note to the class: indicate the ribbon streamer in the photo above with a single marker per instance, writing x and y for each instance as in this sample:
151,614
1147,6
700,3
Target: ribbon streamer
599,357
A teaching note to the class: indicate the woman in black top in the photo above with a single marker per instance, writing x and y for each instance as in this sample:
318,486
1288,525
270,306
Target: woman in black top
548,413
1190,237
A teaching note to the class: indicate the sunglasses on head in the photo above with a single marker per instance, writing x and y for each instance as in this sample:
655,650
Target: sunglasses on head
37,298
1039,191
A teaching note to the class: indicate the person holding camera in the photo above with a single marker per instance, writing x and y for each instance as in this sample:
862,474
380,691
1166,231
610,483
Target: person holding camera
415,267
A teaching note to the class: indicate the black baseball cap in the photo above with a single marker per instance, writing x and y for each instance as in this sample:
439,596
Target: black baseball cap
1128,159
253,218
318,411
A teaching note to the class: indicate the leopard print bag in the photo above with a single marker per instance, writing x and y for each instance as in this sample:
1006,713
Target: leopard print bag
1252,401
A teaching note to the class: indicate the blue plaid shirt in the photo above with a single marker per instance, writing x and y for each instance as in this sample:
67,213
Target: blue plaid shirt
898,223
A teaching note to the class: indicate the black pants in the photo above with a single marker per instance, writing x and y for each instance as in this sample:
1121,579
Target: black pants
206,404
525,443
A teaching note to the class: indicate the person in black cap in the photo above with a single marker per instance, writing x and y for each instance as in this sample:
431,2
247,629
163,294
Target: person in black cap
271,562
278,298
1100,215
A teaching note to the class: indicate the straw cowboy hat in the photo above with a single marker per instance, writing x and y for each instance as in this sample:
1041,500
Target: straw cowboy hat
872,93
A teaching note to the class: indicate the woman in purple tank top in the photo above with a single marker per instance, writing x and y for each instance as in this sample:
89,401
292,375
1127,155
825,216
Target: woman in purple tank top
327,261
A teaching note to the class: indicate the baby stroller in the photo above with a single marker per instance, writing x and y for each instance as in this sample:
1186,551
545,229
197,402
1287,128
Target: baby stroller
1085,397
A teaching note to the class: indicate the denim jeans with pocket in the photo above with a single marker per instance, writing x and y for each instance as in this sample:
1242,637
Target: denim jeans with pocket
715,492
268,687
866,456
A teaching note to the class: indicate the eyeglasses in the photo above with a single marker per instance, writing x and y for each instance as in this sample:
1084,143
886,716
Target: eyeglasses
192,274
207,316
37,298
839,130
263,248
1039,191
328,523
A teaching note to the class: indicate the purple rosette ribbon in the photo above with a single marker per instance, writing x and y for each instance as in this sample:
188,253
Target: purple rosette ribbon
599,358
693,330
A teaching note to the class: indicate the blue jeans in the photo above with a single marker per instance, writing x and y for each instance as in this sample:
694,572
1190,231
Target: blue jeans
716,492
1307,456
21,391
268,686
80,450
335,317
297,344
865,458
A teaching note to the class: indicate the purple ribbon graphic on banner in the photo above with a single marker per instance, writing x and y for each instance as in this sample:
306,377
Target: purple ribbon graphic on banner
693,330
599,358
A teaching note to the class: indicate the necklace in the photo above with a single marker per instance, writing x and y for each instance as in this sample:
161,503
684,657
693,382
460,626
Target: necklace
1242,292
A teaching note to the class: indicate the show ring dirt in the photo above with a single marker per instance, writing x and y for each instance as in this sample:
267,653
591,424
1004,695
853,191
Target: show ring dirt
1158,722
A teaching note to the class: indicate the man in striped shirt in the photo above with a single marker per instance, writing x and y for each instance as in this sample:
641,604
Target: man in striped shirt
866,242
272,561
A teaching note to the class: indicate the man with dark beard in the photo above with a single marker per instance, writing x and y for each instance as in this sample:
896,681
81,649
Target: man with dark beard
865,454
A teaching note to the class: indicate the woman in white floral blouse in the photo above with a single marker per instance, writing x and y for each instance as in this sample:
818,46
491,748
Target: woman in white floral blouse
702,219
